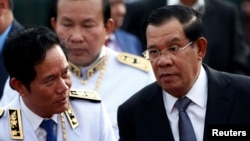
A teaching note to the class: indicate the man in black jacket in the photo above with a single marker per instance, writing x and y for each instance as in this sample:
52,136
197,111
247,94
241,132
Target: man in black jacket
176,47
227,50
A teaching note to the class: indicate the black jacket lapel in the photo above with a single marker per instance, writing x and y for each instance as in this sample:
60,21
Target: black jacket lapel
155,115
219,100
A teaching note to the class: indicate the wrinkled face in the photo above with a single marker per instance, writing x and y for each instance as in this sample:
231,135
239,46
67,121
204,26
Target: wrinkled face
176,72
80,25
49,90
118,12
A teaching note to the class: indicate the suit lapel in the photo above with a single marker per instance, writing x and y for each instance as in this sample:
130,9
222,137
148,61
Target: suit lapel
219,100
15,26
155,115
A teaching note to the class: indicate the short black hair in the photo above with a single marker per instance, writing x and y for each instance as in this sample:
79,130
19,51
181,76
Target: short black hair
26,48
188,17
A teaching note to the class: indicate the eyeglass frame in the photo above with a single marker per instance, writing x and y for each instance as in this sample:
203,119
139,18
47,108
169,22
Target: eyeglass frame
160,52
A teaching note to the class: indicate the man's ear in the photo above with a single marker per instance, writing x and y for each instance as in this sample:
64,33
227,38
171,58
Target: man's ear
53,23
18,86
110,25
202,46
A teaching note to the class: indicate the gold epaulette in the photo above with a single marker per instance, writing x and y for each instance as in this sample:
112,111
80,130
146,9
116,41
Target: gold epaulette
1,112
15,121
71,117
84,94
134,61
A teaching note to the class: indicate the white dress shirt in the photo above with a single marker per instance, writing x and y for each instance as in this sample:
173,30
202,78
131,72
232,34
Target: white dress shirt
36,121
196,110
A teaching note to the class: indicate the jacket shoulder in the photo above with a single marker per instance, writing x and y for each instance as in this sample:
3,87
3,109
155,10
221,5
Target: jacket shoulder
84,95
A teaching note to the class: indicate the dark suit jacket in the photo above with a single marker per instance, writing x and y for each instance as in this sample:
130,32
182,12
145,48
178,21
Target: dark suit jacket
144,118
128,42
3,71
226,51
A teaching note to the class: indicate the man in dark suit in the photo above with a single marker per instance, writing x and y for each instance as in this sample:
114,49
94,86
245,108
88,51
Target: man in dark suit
7,25
227,50
176,47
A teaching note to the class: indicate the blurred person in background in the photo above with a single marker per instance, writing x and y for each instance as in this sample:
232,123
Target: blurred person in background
121,40
8,24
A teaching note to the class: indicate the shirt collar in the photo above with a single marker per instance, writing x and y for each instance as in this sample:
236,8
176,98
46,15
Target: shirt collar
112,37
35,119
198,93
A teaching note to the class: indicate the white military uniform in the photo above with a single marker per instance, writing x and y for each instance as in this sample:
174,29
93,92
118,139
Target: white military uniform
119,80
92,119
115,76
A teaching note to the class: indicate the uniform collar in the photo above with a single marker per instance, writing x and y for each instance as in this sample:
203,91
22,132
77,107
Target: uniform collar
88,71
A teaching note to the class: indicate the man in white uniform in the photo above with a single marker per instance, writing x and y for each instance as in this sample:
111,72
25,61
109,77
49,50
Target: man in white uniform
39,72
84,30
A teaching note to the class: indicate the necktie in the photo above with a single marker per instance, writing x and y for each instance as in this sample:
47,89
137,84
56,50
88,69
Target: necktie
186,130
48,126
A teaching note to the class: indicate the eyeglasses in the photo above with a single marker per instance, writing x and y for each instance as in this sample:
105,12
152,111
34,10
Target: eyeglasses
152,53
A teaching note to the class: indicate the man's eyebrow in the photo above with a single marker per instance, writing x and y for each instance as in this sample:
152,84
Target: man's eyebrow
173,40
151,47
66,18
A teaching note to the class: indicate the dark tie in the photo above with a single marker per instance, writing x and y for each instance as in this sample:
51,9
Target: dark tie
186,130
48,126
